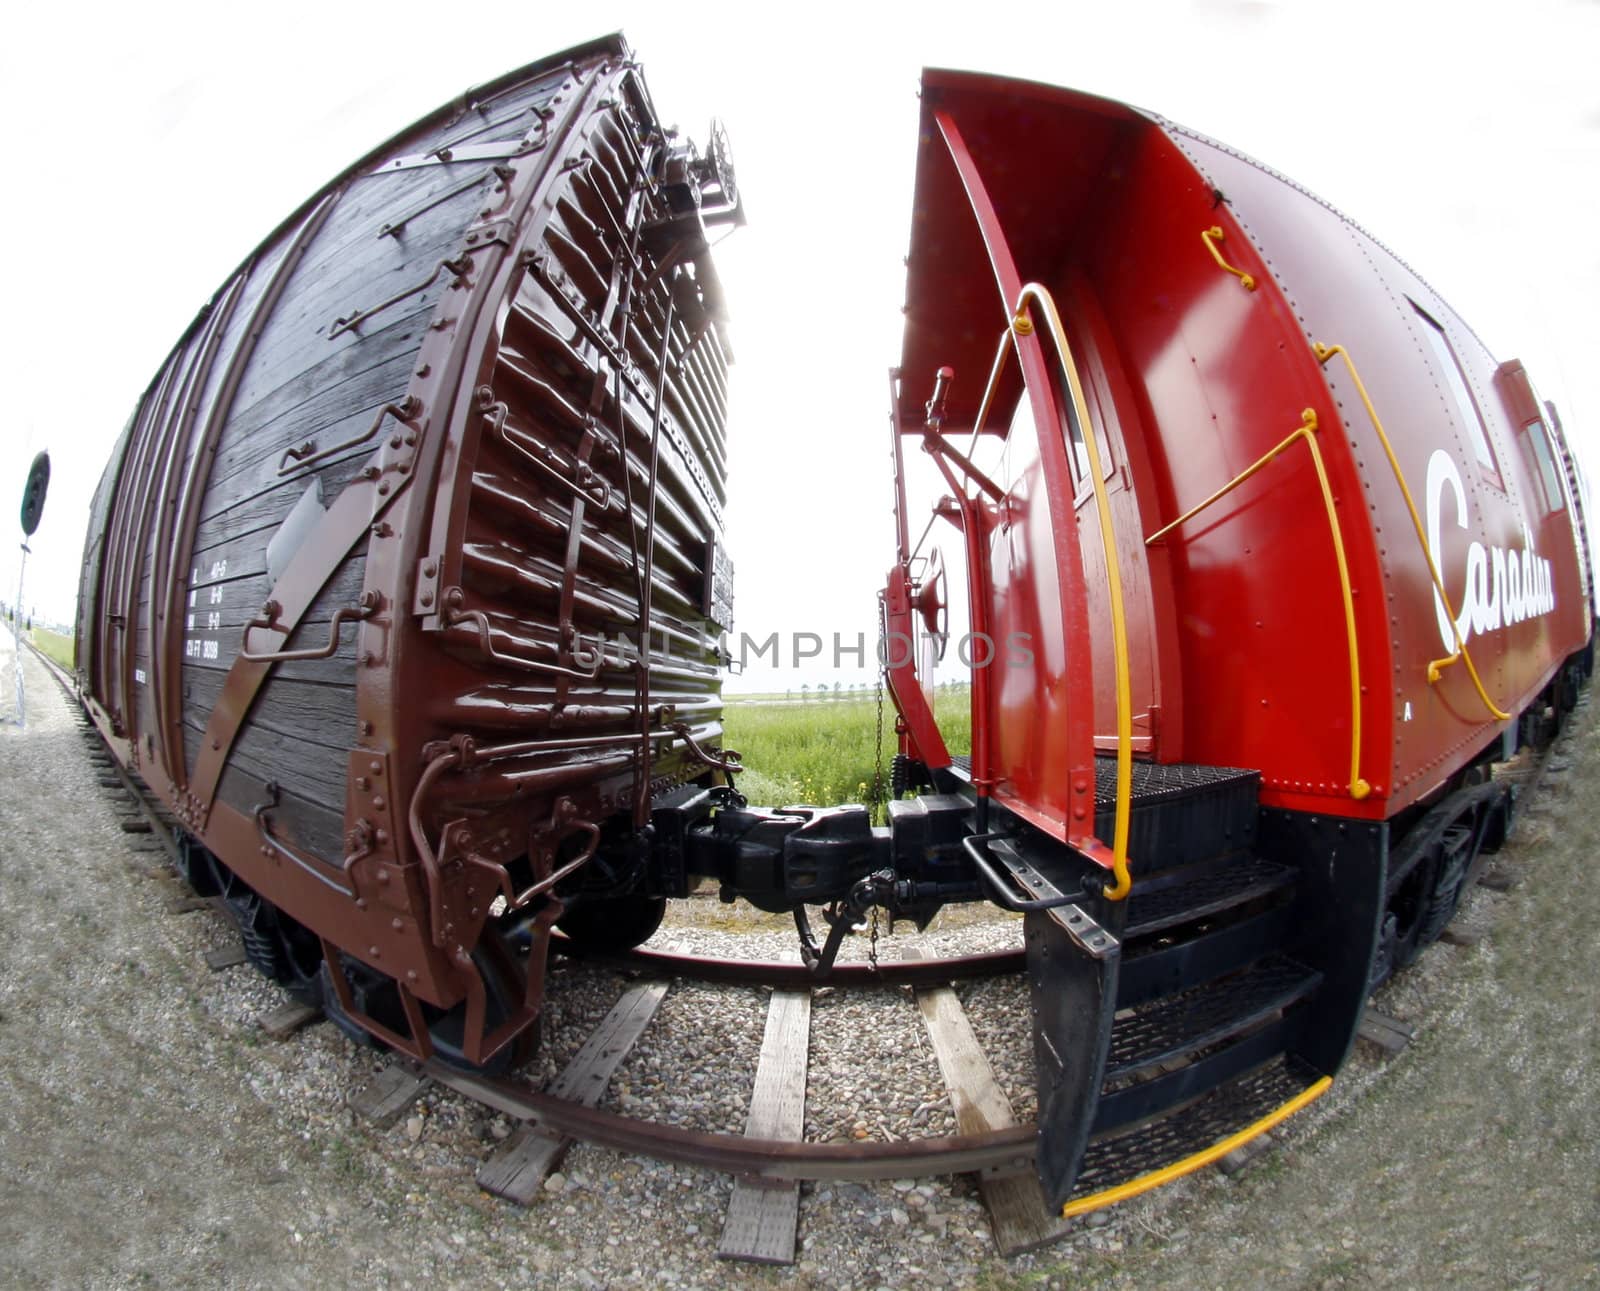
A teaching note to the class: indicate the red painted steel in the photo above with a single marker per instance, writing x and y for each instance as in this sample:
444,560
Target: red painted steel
1237,639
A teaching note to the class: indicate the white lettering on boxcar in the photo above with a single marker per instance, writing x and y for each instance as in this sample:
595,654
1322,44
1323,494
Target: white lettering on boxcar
1503,585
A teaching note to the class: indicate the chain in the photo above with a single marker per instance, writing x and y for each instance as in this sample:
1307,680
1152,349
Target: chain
878,794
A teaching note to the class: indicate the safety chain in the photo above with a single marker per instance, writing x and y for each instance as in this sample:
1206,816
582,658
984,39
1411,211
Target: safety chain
878,794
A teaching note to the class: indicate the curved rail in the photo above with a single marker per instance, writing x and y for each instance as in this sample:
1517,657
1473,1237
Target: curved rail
793,976
1009,1149
1307,433
1324,353
736,1154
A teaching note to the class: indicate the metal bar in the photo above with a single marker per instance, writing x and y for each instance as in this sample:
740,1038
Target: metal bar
1079,408
902,530
736,1154
779,973
1211,237
1359,788
341,616
1058,490
1324,353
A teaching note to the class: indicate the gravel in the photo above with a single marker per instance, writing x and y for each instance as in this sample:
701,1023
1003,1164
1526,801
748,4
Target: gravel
153,1136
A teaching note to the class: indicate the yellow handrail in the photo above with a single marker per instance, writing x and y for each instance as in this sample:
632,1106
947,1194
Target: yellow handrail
1023,326
1188,1165
1307,432
1211,237
1324,353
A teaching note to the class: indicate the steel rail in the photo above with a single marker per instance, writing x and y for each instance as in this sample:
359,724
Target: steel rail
1009,1149
734,1153
777,973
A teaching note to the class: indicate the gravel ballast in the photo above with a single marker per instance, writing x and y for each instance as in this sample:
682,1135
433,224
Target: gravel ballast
153,1136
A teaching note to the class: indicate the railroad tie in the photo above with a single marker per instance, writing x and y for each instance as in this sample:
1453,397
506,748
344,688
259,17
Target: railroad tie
1389,1034
518,1168
282,1022
1017,1214
385,1098
763,1215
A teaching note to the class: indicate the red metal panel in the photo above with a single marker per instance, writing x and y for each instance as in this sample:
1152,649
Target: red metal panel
1225,376
1040,712
1345,288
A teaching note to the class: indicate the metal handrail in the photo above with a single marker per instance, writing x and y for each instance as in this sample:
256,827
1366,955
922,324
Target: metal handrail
1435,666
1022,325
1211,237
1307,432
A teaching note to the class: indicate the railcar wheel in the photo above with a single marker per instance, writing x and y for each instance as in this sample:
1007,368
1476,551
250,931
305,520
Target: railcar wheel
196,868
278,946
376,995
1400,940
615,925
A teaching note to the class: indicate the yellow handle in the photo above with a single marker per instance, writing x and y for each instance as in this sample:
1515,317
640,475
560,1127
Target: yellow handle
1023,326
1324,353
1359,788
1211,237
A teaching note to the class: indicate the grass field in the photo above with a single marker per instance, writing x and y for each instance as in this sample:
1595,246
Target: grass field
822,752
54,645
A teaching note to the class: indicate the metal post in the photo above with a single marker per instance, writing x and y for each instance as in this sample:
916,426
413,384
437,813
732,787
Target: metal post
16,632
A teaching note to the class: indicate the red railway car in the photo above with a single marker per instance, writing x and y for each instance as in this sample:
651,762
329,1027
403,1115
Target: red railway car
1272,560
405,586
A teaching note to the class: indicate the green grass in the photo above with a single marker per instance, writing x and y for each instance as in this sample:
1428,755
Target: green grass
55,646
821,752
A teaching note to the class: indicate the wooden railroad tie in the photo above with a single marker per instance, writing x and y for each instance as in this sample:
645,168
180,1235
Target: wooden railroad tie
1389,1034
763,1215
229,956
385,1098
282,1022
518,1168
1017,1212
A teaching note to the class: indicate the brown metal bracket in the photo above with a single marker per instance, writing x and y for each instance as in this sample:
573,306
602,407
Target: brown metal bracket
394,229
459,267
456,615
307,454
344,614
418,1045
729,760
360,840
587,482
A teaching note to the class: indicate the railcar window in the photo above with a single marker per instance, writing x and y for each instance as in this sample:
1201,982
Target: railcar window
1466,407
1078,452
1539,439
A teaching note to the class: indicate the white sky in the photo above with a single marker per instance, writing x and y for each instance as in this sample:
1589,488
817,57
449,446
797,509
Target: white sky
152,146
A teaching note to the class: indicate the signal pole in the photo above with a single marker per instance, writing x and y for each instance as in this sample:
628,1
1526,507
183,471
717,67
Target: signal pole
32,508
16,633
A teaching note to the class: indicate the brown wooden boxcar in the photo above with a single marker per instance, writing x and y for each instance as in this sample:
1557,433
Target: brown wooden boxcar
365,578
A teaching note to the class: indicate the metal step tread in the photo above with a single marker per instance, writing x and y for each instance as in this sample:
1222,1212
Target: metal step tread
1180,1024
1117,1159
1155,782
1201,891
